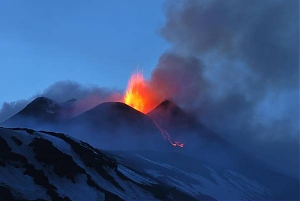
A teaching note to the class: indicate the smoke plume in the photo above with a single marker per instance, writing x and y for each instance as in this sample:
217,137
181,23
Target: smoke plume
235,64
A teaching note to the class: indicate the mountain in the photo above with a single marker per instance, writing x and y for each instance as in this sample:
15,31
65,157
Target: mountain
53,166
113,122
112,116
41,112
116,123
137,162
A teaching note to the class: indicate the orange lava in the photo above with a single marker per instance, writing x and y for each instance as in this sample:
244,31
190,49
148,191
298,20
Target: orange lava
140,95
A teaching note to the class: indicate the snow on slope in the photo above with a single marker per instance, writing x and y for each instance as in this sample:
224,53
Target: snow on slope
201,178
52,166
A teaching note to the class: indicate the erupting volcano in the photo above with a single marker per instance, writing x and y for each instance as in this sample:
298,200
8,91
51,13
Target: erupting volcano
142,97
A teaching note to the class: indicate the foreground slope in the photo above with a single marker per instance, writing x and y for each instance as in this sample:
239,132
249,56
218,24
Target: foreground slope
51,166
246,179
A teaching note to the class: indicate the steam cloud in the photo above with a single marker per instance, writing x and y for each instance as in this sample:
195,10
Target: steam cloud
236,64
87,97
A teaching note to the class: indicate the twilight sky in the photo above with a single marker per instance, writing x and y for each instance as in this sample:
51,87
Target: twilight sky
90,42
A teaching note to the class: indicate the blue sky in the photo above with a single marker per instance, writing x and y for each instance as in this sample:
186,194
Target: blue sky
91,42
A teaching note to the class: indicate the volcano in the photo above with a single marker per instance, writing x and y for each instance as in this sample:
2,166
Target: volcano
137,162
119,123
113,116
108,120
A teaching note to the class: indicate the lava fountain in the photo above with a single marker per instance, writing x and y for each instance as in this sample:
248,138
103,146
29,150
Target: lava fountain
142,97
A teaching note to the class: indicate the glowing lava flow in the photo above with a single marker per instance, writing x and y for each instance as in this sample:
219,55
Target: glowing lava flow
166,136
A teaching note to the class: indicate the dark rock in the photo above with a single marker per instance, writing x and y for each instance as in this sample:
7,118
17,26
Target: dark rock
63,164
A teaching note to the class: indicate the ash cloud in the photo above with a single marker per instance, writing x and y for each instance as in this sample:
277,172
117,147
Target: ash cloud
87,97
236,64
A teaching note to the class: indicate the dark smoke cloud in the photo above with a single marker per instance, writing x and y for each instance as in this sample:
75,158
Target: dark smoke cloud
87,97
236,64
179,78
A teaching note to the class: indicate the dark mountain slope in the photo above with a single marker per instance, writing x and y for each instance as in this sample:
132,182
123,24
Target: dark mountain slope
115,125
41,110
183,126
168,114
112,116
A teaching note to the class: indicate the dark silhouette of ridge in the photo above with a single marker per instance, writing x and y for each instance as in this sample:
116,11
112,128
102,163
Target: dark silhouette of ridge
40,110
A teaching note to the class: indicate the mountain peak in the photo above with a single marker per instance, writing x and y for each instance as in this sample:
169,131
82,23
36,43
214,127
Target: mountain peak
173,118
166,103
167,107
40,105
40,110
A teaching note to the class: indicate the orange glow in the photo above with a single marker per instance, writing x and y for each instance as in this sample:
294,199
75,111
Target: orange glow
140,95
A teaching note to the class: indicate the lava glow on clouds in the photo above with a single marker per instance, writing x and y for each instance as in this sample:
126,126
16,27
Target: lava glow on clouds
140,95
